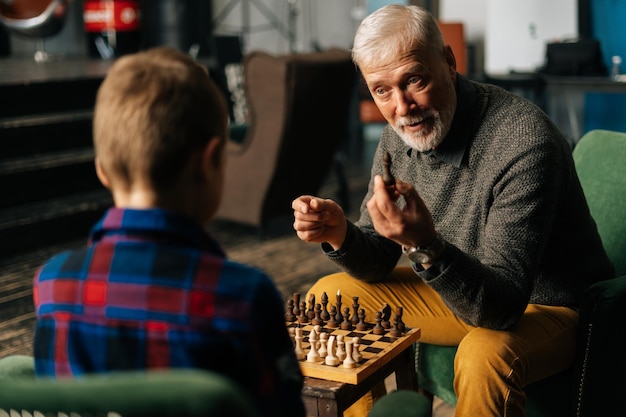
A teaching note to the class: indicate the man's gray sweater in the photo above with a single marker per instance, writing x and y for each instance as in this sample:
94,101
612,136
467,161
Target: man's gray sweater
504,194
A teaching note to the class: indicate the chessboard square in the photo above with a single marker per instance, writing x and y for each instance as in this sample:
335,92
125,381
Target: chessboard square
379,344
366,342
373,350
386,339
371,336
356,333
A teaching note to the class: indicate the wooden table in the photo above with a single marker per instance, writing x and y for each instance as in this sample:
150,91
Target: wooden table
326,398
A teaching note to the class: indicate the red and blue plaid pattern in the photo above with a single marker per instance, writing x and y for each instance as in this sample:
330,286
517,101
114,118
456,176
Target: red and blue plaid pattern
153,290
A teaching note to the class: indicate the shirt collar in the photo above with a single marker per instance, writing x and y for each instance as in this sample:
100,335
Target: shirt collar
454,147
154,223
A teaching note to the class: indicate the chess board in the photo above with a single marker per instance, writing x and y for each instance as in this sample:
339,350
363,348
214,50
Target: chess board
377,350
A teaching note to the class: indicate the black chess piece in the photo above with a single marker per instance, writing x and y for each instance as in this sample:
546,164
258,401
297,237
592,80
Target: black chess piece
395,332
401,326
378,328
388,179
289,316
338,316
311,311
386,316
332,321
325,316
361,325
296,303
355,307
317,319
346,324
303,318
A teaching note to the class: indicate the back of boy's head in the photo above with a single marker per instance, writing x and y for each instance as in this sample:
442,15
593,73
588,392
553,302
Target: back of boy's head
153,109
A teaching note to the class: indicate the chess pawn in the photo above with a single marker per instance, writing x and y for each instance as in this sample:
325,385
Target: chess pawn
298,349
395,331
378,328
361,325
323,350
317,317
331,359
346,324
348,361
313,355
332,322
341,351
356,352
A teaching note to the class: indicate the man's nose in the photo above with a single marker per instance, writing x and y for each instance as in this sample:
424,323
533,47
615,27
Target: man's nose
404,103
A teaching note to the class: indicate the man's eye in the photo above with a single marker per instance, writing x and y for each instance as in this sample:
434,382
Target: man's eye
414,80
380,91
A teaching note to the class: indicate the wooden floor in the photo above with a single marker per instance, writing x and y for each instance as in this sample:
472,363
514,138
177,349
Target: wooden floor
293,264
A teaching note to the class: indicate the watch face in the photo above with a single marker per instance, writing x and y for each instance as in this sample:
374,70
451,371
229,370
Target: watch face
420,257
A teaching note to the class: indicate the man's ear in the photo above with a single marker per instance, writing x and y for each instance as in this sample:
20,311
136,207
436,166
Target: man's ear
450,58
102,175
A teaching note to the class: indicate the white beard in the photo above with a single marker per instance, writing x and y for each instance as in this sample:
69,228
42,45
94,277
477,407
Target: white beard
421,141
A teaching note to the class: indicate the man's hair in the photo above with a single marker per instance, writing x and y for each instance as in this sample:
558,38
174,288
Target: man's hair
393,31
153,109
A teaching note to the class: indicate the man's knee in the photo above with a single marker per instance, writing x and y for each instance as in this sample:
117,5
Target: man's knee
484,350
330,284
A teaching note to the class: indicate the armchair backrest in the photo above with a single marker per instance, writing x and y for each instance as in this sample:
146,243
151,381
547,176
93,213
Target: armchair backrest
600,159
165,393
298,116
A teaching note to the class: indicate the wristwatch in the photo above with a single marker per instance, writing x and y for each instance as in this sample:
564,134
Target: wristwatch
427,255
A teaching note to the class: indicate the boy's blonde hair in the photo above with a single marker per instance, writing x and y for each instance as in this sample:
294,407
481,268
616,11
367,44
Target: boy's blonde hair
153,109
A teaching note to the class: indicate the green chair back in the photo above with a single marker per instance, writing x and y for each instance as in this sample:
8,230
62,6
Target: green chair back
600,159
166,393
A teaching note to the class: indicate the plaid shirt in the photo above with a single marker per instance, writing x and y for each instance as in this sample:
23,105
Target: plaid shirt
153,290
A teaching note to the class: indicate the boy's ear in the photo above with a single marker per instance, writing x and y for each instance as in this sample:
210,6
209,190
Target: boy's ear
102,175
212,157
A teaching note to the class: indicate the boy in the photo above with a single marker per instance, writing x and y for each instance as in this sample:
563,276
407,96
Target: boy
152,289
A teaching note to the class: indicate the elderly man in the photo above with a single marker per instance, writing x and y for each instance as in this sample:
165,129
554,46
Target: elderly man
485,203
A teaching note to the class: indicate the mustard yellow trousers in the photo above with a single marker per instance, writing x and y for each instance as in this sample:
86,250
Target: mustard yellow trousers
491,366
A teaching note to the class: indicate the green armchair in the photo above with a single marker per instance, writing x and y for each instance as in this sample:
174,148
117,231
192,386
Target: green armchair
595,384
167,393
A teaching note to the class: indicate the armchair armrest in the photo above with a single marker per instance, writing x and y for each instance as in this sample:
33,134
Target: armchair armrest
600,368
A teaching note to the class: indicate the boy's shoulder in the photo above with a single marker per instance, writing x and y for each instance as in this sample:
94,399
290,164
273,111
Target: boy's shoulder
69,263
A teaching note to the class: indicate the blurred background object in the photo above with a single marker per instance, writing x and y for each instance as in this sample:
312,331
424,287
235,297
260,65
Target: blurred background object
34,18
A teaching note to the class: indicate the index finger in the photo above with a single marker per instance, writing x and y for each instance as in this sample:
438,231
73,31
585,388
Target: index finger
302,203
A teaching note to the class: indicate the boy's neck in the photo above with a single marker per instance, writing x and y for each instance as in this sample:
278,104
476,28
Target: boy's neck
143,199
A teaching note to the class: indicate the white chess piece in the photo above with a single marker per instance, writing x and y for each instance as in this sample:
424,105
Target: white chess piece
331,359
298,349
349,362
323,350
356,353
341,353
313,355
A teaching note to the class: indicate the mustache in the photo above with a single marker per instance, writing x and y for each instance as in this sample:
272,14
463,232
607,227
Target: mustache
414,119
